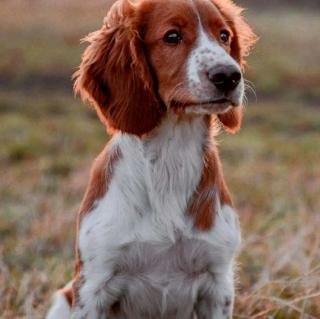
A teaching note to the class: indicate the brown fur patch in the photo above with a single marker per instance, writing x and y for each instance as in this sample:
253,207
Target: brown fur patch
100,178
114,74
232,119
68,293
243,37
212,186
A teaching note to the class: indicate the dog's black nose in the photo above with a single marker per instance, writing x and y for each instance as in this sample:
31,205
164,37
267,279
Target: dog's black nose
225,78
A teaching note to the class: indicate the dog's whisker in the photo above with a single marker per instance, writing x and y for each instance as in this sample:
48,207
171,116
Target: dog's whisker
249,86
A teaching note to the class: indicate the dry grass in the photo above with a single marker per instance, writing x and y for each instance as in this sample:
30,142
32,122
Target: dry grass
48,141
273,172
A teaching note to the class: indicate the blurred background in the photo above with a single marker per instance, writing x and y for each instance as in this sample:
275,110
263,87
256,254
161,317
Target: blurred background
48,140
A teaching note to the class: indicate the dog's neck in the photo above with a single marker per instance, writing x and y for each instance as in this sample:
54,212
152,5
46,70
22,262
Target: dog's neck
174,159
174,171
175,134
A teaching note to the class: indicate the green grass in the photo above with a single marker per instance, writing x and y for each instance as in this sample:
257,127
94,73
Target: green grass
48,140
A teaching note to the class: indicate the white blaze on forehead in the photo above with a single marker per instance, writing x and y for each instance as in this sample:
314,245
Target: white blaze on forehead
206,54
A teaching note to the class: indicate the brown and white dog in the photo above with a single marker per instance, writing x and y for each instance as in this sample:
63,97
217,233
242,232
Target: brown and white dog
157,232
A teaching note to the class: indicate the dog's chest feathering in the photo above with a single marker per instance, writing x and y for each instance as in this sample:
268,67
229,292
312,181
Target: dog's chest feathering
162,279
138,235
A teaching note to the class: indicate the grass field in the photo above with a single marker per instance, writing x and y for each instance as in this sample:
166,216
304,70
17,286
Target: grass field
48,140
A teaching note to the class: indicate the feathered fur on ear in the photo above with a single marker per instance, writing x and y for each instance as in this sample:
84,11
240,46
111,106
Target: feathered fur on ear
232,119
243,40
114,74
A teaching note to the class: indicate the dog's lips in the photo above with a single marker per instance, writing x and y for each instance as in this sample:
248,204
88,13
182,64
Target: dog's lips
184,105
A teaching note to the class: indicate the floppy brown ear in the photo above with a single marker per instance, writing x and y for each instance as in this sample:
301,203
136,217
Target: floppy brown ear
242,42
114,74
232,119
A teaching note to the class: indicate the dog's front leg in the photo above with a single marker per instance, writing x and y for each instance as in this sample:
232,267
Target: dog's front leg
217,301
95,295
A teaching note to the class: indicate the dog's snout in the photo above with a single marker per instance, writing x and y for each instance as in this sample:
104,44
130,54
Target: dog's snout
225,78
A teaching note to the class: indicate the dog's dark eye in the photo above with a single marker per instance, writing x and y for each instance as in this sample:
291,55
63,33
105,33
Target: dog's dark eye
225,36
172,37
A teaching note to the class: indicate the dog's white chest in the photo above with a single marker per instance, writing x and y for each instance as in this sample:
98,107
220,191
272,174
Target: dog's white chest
150,188
140,236
148,196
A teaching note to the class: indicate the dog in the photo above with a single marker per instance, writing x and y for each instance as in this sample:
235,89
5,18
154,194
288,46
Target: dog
157,233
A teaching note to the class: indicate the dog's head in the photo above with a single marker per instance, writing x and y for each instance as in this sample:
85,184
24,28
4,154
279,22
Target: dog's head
153,56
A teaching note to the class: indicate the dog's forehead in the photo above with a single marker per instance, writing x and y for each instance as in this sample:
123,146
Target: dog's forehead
208,13
172,11
183,12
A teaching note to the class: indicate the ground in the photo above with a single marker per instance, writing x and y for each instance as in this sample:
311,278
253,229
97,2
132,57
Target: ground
48,140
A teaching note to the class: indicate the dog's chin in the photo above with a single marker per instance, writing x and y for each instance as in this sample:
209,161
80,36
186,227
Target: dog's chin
215,108
211,107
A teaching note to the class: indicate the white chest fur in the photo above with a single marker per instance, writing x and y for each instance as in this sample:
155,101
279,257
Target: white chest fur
150,189
146,203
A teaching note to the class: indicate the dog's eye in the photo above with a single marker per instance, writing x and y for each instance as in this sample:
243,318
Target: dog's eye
172,37
225,36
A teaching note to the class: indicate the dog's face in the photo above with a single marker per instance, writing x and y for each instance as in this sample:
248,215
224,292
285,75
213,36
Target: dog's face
191,49
151,56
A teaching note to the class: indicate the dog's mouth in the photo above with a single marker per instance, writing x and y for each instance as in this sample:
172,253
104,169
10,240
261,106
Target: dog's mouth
202,104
